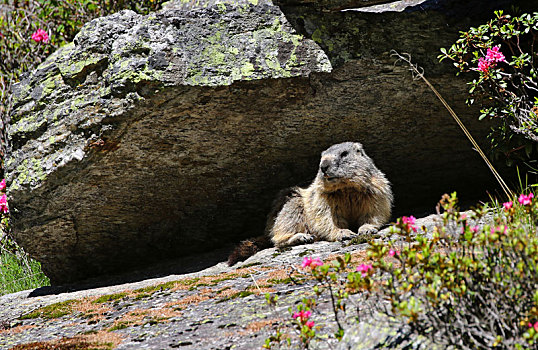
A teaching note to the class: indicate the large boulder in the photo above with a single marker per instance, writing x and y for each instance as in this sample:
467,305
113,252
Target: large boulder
151,137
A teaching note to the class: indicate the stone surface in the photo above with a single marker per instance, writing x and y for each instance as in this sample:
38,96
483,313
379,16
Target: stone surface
197,310
154,137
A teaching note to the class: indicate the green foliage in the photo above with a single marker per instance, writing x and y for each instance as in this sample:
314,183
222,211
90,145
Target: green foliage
507,88
109,297
469,286
17,271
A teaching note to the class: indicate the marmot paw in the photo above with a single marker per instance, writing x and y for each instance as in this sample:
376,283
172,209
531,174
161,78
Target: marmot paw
300,238
346,234
367,229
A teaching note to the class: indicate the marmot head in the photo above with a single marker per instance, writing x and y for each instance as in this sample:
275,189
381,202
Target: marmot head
345,165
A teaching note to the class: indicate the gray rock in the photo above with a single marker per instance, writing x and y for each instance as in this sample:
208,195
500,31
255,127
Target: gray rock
152,137
209,318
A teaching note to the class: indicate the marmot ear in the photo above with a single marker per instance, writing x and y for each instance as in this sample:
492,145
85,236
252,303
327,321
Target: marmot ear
359,148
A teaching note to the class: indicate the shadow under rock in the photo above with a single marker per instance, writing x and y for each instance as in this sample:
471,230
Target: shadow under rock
183,265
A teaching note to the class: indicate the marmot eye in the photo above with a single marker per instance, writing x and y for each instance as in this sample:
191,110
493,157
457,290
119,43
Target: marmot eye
343,154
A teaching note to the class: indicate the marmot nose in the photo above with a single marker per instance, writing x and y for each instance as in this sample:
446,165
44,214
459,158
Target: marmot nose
324,166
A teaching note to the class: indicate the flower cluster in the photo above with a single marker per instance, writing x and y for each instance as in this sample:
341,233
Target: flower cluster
40,36
364,268
535,326
3,199
493,56
409,222
525,199
303,317
311,262
501,229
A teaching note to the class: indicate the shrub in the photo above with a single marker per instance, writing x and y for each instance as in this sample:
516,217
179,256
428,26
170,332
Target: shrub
469,286
502,53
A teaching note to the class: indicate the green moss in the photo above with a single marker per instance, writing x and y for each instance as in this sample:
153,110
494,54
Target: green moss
10,162
247,69
119,325
157,288
23,171
164,286
127,73
364,238
142,296
306,252
110,297
51,84
51,311
73,68
281,280
285,249
316,36
223,289
38,173
222,8
242,294
250,265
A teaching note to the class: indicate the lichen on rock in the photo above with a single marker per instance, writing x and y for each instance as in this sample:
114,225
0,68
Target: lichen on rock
76,106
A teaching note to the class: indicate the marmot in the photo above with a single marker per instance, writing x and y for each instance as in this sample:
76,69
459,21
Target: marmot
349,196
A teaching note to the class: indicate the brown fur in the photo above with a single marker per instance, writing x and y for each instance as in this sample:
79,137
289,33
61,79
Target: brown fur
349,196
248,248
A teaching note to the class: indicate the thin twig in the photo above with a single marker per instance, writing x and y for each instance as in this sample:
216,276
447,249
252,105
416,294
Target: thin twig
418,73
256,284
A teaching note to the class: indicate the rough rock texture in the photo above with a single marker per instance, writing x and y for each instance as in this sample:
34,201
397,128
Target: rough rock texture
334,5
154,137
92,154
218,308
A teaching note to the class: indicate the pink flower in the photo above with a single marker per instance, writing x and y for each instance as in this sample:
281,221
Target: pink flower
40,36
494,55
535,326
525,199
363,269
310,324
308,261
3,184
475,229
316,262
392,252
499,229
508,205
483,65
302,315
410,222
3,204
